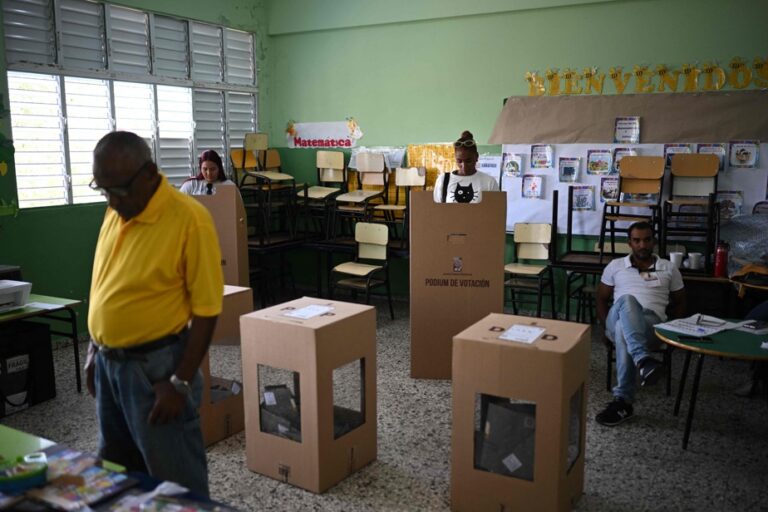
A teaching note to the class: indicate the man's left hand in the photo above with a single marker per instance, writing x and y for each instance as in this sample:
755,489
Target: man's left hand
169,403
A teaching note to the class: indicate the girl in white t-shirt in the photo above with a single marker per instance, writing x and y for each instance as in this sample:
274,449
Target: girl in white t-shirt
465,185
211,175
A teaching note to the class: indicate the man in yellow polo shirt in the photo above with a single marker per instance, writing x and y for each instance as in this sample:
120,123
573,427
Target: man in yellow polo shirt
157,266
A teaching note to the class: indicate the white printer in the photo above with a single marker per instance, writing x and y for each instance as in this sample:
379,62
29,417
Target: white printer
13,294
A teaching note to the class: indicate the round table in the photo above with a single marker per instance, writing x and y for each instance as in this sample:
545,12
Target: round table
733,344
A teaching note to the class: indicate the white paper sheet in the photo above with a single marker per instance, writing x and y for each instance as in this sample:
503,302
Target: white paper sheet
699,325
308,312
522,333
43,305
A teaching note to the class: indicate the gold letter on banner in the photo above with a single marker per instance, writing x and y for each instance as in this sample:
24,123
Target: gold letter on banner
643,79
619,80
572,82
535,84
714,77
761,72
739,75
553,77
594,81
691,76
667,78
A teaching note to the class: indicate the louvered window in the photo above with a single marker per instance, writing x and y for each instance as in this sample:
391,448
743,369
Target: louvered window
207,61
88,120
174,120
83,44
36,120
135,110
29,32
209,121
238,54
241,117
128,41
171,48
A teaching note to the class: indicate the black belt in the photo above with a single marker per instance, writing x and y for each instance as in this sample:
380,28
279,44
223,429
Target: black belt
139,351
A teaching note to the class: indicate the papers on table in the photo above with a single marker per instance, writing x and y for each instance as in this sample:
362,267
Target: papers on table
42,305
522,333
699,325
310,311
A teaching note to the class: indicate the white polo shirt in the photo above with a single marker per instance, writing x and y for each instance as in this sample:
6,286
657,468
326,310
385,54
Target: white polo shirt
651,288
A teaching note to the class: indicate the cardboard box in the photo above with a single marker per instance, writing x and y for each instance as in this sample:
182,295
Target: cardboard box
457,274
519,416
221,410
228,212
299,430
238,301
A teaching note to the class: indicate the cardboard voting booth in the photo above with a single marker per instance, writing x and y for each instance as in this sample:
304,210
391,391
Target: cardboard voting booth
309,378
221,409
519,414
457,274
228,212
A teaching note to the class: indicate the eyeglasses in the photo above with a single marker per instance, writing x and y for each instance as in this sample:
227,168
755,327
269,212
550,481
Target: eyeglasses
464,143
120,190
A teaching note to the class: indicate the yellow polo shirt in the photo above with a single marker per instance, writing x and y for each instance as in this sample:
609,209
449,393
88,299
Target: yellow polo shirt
152,273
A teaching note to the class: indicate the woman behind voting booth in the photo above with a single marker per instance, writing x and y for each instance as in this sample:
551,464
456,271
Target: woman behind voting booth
464,185
210,176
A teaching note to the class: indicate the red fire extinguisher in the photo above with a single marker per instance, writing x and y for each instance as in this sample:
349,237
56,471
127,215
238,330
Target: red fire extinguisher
721,259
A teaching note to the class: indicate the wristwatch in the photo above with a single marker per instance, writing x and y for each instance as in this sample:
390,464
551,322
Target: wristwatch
182,386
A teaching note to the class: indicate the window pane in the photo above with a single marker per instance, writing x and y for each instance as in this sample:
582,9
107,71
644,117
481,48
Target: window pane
28,26
241,117
209,121
88,120
171,48
129,41
238,53
82,35
37,134
174,119
134,110
207,63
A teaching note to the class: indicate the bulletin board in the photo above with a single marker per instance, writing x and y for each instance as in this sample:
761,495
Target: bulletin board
751,182
572,125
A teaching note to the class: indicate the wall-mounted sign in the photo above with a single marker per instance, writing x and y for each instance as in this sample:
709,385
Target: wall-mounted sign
341,134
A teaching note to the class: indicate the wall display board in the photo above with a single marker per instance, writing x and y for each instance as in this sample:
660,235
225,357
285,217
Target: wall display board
752,182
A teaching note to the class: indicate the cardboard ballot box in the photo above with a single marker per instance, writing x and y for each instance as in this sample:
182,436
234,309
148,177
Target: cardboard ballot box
221,409
228,212
309,378
457,274
519,411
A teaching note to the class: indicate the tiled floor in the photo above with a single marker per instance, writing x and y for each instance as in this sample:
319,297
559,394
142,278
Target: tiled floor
639,465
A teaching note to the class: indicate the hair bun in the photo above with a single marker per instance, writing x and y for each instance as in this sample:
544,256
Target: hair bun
466,134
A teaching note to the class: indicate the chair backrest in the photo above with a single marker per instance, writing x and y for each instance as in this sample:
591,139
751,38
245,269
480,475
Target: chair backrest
371,169
410,177
330,167
694,174
760,207
372,240
618,247
255,142
532,240
641,174
271,160
242,159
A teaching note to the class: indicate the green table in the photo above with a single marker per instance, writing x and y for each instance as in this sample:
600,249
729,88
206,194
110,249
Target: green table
733,344
59,310
14,443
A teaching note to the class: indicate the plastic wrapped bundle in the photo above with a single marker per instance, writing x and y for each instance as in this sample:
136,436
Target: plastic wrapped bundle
748,238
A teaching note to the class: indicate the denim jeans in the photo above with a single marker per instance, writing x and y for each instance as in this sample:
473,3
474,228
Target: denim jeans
630,327
124,398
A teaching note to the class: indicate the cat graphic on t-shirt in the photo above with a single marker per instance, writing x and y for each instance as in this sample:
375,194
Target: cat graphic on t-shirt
463,194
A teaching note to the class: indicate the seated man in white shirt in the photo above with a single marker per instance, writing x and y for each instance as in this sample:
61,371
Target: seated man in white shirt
642,285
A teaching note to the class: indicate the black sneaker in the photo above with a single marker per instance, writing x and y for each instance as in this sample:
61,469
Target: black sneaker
651,371
614,413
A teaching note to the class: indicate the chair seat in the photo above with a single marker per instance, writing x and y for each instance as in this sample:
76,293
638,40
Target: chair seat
522,284
519,268
689,201
390,207
358,196
629,218
351,208
356,269
274,176
317,192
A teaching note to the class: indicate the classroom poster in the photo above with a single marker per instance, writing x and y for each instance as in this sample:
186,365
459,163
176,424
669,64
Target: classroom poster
533,186
719,150
512,164
583,197
490,165
599,161
627,130
541,156
568,169
620,153
609,188
745,154
672,149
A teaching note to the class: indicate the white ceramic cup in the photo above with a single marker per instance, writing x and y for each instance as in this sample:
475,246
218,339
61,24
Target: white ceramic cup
697,260
676,258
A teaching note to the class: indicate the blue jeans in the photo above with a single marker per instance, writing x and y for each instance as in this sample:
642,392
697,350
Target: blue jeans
630,327
124,398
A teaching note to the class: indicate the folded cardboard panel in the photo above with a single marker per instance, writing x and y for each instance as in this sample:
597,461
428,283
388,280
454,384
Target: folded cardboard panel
457,274
221,409
238,301
309,338
500,464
